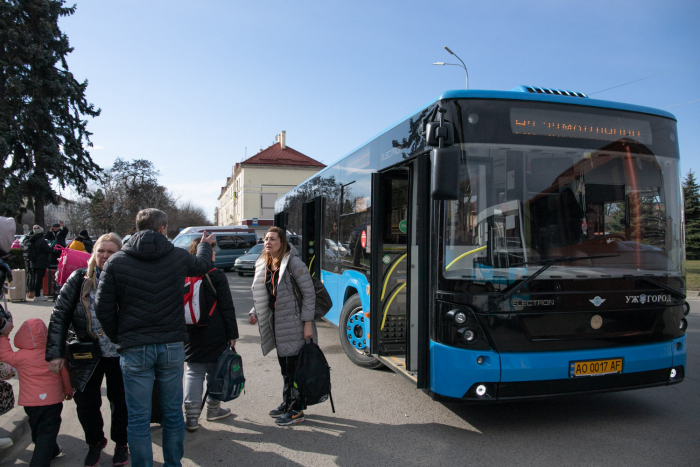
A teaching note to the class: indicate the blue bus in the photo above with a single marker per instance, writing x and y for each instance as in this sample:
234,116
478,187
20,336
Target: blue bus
503,245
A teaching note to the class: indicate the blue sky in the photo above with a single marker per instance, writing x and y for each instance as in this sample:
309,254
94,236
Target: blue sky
191,85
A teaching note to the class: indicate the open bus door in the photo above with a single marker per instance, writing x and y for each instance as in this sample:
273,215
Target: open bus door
395,314
312,234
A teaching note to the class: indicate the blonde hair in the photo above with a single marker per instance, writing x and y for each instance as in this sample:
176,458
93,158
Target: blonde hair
92,264
284,247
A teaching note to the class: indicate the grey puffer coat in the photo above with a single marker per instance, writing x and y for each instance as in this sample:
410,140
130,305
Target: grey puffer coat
288,333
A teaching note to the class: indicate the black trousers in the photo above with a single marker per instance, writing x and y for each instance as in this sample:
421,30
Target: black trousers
37,280
290,395
89,401
44,421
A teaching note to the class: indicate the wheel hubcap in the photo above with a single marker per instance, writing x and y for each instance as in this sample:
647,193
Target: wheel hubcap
356,331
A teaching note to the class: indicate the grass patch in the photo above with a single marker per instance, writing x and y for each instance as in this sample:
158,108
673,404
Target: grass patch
692,274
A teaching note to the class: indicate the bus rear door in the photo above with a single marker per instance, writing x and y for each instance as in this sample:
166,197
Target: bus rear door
312,234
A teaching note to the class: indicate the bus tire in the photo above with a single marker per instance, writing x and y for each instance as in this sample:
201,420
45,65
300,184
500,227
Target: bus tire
351,307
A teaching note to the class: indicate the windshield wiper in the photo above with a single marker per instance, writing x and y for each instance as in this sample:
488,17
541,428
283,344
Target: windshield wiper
674,292
546,264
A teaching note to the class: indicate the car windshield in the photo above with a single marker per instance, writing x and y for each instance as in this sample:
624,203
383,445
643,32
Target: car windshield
256,250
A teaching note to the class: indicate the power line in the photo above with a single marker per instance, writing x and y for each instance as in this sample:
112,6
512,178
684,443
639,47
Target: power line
647,77
682,103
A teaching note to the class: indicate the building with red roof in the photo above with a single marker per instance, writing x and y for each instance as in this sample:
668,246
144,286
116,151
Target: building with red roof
250,193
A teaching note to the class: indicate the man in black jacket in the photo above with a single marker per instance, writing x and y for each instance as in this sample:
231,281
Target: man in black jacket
58,233
38,254
140,303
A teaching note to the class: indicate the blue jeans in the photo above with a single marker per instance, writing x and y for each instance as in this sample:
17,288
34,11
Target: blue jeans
140,366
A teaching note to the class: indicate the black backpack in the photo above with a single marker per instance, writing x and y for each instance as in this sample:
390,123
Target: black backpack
312,377
29,249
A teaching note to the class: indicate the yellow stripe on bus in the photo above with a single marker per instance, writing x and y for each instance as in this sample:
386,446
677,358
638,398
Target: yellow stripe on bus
463,255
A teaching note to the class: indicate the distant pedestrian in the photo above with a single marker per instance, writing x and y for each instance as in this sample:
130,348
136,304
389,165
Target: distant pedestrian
284,323
139,302
77,244
206,343
40,392
75,309
57,234
87,241
37,253
82,242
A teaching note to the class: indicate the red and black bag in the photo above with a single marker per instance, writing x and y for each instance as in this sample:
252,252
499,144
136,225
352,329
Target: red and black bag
194,300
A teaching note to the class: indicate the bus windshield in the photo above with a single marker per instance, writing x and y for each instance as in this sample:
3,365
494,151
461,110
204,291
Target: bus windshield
615,204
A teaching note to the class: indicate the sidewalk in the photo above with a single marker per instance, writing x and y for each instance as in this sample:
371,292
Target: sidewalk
14,423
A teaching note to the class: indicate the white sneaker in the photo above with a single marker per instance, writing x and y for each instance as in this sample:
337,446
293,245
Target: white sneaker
5,443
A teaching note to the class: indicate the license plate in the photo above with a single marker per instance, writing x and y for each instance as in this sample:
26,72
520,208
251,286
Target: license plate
595,367
247,266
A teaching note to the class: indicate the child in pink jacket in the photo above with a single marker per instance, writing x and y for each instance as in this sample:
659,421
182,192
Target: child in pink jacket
40,392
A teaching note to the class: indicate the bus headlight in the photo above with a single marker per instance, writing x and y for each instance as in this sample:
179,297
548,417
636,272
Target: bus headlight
468,335
460,318
684,324
686,308
480,390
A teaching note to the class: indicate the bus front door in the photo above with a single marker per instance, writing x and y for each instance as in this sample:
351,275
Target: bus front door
390,289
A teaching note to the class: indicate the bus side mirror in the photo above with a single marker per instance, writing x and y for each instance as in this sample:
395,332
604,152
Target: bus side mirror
446,173
433,133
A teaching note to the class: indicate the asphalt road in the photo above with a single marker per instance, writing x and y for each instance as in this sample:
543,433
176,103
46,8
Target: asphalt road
381,419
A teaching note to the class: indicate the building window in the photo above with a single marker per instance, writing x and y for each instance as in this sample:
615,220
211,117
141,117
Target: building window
267,205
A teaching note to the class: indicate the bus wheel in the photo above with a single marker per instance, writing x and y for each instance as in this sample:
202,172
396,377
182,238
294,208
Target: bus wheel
354,337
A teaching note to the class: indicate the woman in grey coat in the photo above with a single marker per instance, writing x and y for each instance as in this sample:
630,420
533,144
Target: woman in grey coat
283,321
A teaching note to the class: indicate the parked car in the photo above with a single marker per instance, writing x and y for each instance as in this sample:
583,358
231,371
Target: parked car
246,264
229,245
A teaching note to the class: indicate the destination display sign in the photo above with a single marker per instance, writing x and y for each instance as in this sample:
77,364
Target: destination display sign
543,122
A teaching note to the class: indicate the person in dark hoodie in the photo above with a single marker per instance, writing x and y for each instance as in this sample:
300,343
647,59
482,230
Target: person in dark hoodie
139,303
87,241
39,252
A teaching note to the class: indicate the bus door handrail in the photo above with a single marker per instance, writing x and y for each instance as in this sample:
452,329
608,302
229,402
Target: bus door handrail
388,275
386,308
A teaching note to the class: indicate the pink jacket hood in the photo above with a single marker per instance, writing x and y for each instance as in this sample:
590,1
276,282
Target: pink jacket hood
37,385
31,335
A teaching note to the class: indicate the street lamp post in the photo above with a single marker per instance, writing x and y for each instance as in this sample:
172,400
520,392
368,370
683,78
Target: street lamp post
455,64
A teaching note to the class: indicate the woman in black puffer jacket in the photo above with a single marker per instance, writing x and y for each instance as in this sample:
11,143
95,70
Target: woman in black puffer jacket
206,343
75,308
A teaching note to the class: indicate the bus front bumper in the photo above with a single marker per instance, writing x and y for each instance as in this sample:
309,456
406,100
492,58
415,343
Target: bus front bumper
456,374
